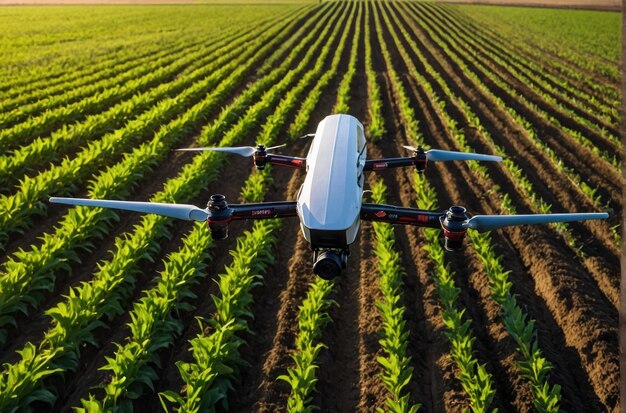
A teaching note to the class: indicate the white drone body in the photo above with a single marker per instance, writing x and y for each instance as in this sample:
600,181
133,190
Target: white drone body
329,201
329,204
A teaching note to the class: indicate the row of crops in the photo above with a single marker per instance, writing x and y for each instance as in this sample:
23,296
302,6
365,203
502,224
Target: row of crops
108,311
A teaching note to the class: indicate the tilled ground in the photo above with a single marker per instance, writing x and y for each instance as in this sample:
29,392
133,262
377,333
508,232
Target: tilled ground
572,297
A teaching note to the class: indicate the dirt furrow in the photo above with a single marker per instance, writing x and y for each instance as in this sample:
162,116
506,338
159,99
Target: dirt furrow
87,375
274,306
549,184
271,394
463,86
433,382
572,153
32,327
535,93
482,345
477,283
276,303
513,52
275,332
92,363
37,322
481,192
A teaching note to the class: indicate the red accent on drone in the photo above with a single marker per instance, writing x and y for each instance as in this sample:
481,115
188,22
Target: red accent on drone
457,235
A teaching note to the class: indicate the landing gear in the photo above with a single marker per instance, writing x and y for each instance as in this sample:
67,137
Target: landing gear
328,263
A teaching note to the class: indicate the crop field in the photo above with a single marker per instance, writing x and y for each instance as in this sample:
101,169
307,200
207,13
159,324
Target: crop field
118,312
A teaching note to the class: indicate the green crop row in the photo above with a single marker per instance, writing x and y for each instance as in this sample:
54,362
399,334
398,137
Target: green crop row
543,92
45,114
302,118
33,271
376,127
19,208
131,361
75,320
313,316
471,54
406,111
343,91
153,323
522,100
115,89
28,90
532,365
216,352
580,186
313,313
397,372
475,379
43,150
569,92
216,356
514,318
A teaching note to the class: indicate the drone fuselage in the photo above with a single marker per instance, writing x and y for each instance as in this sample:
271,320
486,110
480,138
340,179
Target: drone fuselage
329,201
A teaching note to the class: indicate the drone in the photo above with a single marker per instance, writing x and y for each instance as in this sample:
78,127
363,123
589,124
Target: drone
330,203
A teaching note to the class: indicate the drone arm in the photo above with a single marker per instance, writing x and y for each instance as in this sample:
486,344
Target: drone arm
400,215
260,160
382,164
263,210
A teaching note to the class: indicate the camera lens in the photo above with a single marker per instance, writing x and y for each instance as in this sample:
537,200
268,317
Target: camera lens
327,265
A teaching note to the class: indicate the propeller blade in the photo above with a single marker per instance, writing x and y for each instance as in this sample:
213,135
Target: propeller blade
275,147
436,155
180,211
484,223
245,151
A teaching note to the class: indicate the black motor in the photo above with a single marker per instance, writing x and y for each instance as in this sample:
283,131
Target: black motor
220,216
260,157
453,228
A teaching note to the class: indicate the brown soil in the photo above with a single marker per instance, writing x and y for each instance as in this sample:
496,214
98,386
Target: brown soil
572,299
567,270
38,321
544,178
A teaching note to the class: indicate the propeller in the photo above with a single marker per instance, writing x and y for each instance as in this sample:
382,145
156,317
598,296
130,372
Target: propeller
436,155
245,151
180,211
484,223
